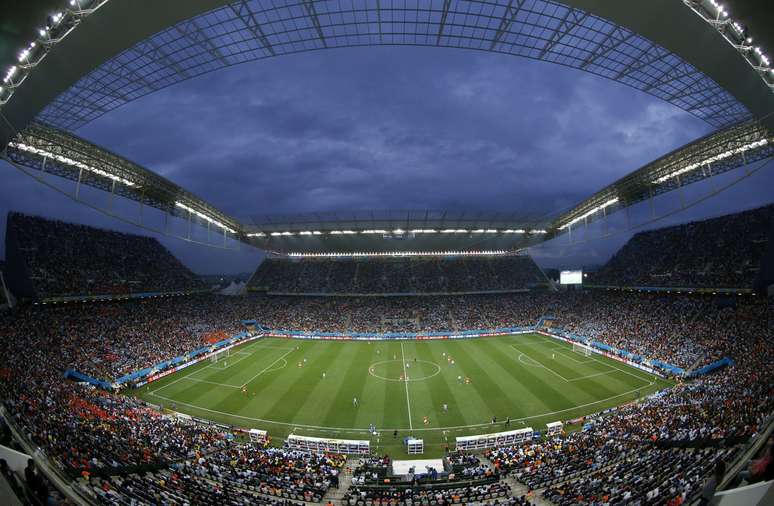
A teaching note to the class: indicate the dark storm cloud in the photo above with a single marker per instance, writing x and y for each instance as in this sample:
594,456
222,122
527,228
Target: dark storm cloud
387,128
400,128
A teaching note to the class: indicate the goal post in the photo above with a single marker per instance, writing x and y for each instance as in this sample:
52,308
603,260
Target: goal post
220,355
582,349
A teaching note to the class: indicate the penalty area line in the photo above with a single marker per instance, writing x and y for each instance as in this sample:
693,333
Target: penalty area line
267,368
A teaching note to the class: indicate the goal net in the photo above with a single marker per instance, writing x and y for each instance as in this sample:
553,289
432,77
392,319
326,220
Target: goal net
582,349
221,357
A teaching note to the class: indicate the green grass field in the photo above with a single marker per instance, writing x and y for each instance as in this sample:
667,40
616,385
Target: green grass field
531,378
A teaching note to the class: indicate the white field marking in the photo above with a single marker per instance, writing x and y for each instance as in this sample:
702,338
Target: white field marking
284,365
565,355
540,363
405,377
421,429
211,382
252,345
593,375
436,373
173,382
534,364
267,367
229,363
610,365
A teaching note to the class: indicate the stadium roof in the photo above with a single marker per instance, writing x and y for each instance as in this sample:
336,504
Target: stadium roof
689,53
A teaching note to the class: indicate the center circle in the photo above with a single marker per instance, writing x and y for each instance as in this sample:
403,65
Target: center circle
393,370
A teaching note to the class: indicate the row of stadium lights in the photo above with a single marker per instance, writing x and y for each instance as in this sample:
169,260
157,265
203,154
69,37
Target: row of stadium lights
399,231
57,27
53,33
204,217
69,161
403,254
80,165
688,168
737,36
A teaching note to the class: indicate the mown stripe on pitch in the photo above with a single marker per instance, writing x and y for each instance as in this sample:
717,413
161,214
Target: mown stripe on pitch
207,392
395,413
341,412
488,388
550,391
245,404
286,404
439,389
592,389
527,401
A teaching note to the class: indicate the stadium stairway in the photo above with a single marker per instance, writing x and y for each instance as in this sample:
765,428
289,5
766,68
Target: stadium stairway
335,495
519,489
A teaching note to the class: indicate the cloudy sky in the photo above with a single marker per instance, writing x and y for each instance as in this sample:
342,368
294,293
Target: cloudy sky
390,128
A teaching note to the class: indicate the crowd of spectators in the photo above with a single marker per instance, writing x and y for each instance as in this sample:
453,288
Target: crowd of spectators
101,434
662,449
398,275
126,450
722,252
484,493
686,331
65,259
107,340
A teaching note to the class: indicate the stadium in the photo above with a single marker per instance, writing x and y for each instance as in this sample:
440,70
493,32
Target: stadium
436,312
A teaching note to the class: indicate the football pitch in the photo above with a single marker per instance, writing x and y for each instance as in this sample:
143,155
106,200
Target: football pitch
308,388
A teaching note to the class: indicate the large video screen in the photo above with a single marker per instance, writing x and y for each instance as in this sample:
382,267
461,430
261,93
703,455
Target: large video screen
571,277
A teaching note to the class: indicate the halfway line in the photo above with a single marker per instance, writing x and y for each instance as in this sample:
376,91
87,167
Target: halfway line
405,382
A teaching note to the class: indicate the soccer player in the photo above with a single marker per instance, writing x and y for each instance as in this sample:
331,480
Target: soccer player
323,376
553,355
445,408
354,402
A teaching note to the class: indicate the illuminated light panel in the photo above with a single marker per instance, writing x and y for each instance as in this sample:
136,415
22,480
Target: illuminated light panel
204,217
69,161
713,159
454,231
588,213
